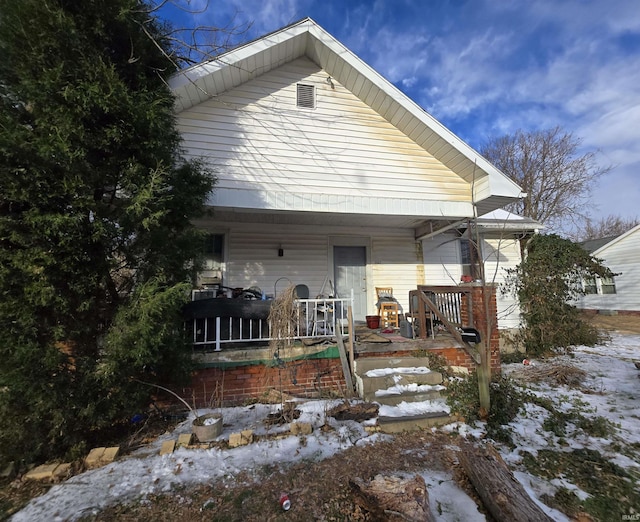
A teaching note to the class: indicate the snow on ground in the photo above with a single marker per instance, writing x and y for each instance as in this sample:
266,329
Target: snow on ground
614,394
381,372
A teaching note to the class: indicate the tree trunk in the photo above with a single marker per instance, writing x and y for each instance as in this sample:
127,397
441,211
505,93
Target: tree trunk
501,493
390,498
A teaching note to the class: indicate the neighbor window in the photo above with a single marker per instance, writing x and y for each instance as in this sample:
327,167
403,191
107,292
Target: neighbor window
608,285
590,286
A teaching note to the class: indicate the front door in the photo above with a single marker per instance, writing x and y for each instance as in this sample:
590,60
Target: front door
350,272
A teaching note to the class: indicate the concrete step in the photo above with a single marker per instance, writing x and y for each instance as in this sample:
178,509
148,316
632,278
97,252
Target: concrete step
393,399
381,373
396,377
414,422
364,364
408,417
397,382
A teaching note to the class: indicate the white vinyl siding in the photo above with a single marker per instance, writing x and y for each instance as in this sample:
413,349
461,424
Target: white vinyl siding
397,263
257,140
252,258
442,264
501,254
622,256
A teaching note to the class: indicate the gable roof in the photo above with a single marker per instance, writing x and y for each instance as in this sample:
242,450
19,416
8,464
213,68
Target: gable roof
596,246
592,245
492,189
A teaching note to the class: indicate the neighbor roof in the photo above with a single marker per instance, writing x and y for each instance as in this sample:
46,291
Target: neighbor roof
492,188
595,246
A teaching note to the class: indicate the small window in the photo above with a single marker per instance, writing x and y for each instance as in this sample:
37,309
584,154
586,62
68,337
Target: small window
214,253
590,286
306,96
608,285
469,258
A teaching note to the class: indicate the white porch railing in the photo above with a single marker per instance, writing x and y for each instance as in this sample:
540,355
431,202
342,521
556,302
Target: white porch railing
314,318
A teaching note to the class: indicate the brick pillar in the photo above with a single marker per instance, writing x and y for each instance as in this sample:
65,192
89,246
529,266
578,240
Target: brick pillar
485,319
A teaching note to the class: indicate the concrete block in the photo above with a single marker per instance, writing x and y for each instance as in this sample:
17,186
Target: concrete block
240,439
109,455
185,439
93,459
61,471
301,428
43,472
168,446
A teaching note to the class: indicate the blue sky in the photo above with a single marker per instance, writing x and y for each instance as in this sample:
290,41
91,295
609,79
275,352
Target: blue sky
486,68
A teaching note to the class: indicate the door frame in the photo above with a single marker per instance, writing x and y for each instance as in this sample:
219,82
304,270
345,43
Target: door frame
354,241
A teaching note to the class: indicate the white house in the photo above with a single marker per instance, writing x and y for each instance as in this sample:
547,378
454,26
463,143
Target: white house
331,177
622,292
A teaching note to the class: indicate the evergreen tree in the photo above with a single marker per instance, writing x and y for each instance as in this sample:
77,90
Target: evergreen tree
96,207
547,282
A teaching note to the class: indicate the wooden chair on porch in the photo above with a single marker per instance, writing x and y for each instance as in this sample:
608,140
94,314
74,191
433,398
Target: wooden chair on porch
388,308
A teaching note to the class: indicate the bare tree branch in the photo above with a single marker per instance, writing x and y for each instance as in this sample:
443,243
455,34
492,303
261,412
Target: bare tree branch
605,227
549,168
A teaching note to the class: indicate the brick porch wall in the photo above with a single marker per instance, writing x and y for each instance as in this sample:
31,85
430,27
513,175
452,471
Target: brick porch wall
232,386
321,377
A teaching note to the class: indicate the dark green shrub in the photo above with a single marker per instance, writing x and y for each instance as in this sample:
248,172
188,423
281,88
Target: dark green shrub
506,401
547,281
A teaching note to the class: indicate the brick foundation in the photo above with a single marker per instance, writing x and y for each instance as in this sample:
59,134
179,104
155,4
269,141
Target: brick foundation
233,386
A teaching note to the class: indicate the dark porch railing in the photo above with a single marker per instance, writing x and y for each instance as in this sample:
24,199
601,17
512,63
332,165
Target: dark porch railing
447,308
215,323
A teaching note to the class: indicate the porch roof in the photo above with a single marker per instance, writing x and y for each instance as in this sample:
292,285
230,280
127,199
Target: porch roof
491,188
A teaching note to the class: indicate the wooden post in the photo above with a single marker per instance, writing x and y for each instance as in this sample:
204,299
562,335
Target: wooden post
345,365
351,338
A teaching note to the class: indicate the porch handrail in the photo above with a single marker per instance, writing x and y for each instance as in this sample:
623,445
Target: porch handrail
445,304
321,318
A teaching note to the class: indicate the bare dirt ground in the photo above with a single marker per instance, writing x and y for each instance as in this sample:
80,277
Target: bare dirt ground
318,490
625,324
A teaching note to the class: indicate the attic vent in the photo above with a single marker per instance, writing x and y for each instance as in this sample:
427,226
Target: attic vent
306,96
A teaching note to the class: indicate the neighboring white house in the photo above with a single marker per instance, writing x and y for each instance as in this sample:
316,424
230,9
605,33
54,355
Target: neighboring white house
622,292
331,177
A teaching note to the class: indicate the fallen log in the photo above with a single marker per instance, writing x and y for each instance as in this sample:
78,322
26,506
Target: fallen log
500,491
393,498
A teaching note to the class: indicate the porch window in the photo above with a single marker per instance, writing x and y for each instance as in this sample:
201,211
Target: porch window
213,265
469,258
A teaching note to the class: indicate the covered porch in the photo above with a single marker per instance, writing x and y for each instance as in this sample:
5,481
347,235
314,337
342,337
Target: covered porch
240,362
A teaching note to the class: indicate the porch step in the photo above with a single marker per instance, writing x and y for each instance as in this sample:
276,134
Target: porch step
414,422
397,382
393,399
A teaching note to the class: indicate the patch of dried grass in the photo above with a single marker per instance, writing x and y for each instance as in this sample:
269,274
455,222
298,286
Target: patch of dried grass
283,319
553,373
